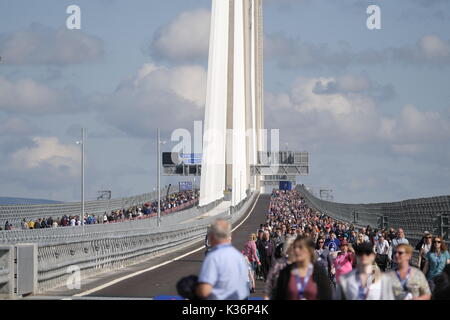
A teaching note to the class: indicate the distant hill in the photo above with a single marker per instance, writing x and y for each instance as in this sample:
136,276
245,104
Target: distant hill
5,201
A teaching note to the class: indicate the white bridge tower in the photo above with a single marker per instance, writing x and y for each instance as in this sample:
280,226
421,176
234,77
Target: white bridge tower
234,113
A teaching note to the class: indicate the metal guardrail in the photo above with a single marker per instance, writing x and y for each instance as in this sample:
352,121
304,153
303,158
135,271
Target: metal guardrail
414,216
98,252
107,247
60,235
15,213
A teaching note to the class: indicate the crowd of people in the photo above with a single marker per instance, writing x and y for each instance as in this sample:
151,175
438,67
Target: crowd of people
172,201
302,254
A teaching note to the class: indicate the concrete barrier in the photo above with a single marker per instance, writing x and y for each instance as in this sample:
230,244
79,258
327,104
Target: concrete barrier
18,270
6,272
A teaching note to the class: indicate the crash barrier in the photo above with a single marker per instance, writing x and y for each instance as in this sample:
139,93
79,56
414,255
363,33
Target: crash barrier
49,236
14,214
18,270
414,216
63,258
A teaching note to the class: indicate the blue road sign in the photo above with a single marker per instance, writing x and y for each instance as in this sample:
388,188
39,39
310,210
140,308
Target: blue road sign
185,185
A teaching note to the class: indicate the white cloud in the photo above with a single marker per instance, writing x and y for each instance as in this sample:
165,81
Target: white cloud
31,97
188,81
186,38
17,127
351,83
413,127
429,3
407,149
294,53
337,104
387,127
347,115
364,183
434,47
39,44
48,151
157,96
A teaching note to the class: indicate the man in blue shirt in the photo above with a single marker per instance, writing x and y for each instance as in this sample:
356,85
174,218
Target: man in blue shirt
333,243
224,273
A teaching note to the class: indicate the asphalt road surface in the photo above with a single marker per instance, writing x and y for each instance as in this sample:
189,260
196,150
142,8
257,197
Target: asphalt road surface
162,281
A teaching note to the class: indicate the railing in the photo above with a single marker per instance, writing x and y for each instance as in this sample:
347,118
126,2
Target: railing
181,207
414,216
101,250
49,236
15,213
105,247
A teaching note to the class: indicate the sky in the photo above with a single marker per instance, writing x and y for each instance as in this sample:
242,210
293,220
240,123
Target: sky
372,107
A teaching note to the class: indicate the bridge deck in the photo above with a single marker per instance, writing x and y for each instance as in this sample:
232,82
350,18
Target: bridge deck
161,280
223,206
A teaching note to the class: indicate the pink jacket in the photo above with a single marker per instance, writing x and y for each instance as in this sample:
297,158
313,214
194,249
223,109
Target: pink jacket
343,264
250,251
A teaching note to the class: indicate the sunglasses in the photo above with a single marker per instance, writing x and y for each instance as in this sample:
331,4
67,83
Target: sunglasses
400,252
428,237
437,241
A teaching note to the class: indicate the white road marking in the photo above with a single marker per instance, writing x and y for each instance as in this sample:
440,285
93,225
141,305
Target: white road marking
113,282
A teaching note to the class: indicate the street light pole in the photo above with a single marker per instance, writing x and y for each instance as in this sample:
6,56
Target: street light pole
158,146
82,177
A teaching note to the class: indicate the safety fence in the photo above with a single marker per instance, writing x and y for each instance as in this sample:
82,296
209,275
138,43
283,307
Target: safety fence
414,216
109,251
14,214
49,236
102,248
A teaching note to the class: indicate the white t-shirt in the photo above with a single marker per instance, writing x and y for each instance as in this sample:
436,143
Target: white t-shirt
349,288
382,248
426,248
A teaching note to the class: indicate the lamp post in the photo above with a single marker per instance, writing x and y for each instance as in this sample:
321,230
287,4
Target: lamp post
81,143
158,165
158,147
